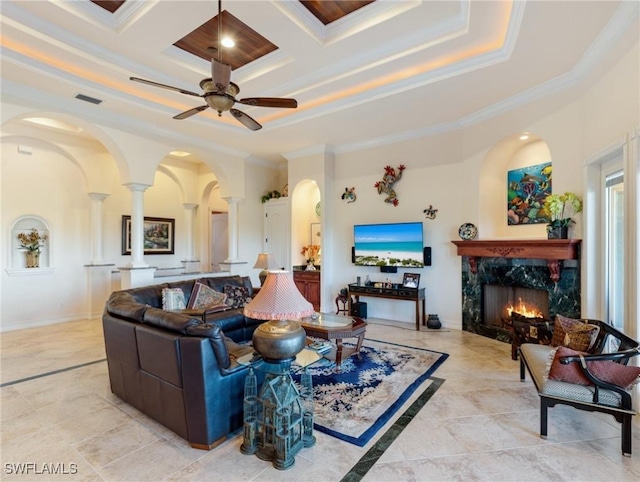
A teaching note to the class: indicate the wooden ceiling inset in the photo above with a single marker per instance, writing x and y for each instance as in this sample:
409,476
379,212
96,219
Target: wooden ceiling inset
330,11
250,45
110,5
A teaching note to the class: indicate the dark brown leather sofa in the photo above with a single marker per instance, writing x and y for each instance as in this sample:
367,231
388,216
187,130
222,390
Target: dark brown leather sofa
175,368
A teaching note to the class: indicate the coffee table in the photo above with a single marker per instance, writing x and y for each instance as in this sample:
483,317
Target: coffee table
336,328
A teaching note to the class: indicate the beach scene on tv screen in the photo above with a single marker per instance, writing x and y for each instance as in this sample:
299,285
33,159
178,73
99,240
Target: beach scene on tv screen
389,245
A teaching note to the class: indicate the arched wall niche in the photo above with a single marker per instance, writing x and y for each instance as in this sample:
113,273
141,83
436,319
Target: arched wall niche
304,199
26,224
510,153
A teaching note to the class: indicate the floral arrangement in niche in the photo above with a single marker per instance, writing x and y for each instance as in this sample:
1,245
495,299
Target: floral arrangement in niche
32,241
389,178
556,204
311,252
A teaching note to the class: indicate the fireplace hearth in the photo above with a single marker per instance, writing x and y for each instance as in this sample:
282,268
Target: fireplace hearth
543,273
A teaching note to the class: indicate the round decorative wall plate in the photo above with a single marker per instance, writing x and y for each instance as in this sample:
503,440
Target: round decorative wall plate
318,208
468,231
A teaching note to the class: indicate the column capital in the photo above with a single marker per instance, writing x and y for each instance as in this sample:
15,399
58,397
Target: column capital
136,186
232,200
190,205
98,196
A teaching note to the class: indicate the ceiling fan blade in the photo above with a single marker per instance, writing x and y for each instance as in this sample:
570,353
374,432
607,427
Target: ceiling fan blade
156,84
190,112
270,102
221,74
248,121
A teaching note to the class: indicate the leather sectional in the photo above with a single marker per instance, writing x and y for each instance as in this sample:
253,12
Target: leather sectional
176,368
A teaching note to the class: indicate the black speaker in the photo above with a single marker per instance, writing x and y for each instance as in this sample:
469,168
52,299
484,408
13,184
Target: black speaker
427,256
353,254
388,269
359,309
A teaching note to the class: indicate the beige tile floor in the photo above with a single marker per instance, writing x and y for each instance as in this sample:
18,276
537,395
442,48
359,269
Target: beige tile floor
482,424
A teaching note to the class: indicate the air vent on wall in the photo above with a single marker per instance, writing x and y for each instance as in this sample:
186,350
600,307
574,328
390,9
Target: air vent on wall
86,98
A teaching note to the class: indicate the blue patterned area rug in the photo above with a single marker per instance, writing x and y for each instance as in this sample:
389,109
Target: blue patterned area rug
354,404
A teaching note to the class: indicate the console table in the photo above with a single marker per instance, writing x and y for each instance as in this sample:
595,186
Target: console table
396,292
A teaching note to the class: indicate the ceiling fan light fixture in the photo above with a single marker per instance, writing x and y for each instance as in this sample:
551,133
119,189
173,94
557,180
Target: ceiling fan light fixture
220,102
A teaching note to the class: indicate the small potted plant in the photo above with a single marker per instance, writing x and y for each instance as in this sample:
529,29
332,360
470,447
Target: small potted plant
32,242
555,205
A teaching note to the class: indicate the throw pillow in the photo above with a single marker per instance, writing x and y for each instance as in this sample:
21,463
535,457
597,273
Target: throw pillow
237,296
574,334
172,299
624,376
202,297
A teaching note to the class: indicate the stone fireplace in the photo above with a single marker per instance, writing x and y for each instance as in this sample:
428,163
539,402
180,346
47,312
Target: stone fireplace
538,275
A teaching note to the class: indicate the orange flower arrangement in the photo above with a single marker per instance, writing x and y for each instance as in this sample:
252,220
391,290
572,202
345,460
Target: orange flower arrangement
311,252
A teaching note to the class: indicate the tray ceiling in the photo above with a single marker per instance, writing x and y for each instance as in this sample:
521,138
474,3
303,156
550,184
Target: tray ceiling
385,72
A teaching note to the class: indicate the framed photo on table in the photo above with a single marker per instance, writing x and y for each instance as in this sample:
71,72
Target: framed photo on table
159,235
411,280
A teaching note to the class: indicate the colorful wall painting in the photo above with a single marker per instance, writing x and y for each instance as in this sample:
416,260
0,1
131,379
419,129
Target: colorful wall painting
527,188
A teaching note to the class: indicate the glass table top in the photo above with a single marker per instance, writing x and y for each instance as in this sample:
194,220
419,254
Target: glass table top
327,319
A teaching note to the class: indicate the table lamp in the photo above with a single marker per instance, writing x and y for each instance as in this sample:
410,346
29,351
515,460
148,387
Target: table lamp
279,301
265,262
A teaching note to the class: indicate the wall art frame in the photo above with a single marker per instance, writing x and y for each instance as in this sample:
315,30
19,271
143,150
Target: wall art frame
159,235
316,233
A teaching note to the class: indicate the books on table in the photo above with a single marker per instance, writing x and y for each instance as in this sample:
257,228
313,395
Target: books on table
321,346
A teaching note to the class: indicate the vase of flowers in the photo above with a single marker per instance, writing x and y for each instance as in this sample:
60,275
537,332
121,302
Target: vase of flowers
311,252
560,208
31,242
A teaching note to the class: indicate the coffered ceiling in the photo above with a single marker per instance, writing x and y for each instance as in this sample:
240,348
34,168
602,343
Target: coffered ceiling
364,73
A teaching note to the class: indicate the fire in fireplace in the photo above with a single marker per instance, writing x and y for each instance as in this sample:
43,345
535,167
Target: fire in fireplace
502,303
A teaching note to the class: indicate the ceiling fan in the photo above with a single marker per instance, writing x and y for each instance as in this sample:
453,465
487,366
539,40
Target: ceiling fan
220,93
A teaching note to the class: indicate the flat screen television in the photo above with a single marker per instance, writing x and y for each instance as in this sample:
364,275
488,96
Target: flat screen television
393,244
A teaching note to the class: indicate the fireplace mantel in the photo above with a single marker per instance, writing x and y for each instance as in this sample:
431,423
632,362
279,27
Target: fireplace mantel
553,250
520,248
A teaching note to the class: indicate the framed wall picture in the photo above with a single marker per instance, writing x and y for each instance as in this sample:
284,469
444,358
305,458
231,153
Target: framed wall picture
527,188
316,233
159,235
411,280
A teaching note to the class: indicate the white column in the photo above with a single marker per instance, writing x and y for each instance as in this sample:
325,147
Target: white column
190,230
137,225
233,229
97,200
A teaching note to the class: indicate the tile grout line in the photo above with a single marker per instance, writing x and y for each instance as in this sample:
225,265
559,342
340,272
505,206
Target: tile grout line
371,457
54,372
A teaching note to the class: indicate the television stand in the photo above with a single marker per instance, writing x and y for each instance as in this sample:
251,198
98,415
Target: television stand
396,292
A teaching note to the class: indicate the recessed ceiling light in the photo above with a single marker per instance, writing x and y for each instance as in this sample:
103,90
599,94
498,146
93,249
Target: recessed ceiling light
228,42
180,153
524,137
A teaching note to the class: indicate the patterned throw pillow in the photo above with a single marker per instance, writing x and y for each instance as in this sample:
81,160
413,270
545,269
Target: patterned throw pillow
574,334
624,376
237,296
202,297
172,299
